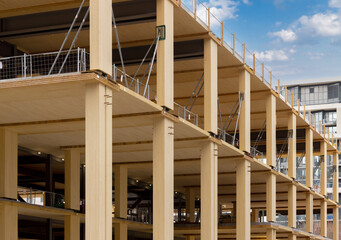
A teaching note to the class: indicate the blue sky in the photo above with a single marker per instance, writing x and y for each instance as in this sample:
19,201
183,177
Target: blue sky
297,39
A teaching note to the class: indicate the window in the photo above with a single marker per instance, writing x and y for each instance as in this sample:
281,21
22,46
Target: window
311,90
333,91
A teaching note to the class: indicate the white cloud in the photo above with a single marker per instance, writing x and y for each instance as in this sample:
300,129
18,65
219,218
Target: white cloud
285,35
326,25
272,55
335,3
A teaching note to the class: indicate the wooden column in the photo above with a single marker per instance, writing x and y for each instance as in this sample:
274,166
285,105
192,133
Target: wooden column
310,213
255,215
190,205
72,227
8,164
8,183
292,146
121,201
244,121
292,173
271,160
209,191
336,196
323,168
323,218
271,130
98,157
210,85
72,193
323,188
336,228
309,156
72,179
163,179
335,177
165,54
243,199
101,35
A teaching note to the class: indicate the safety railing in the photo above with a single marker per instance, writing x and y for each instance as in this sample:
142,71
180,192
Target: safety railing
41,198
34,65
255,153
187,115
133,84
223,135
204,15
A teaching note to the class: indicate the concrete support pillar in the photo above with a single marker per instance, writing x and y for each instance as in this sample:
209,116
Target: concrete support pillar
210,85
310,213
190,205
323,218
209,191
101,35
72,179
271,130
8,183
243,200
165,54
72,227
244,121
163,179
121,201
98,155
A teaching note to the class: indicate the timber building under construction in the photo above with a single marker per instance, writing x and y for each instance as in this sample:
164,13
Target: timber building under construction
149,119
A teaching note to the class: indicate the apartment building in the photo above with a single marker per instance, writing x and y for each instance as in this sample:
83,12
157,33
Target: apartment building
321,98
149,119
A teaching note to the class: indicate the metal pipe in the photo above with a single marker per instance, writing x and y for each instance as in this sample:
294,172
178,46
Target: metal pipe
119,47
151,64
74,40
67,36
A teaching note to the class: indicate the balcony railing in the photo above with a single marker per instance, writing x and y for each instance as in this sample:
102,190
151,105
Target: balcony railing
34,65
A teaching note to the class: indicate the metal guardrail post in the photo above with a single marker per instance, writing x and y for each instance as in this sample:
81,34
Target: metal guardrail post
78,60
234,43
209,19
24,74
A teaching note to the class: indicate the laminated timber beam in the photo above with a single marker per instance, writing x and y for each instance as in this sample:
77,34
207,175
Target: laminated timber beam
52,22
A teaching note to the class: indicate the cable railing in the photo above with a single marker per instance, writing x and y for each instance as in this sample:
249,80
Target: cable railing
35,65
223,135
133,84
187,115
44,198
